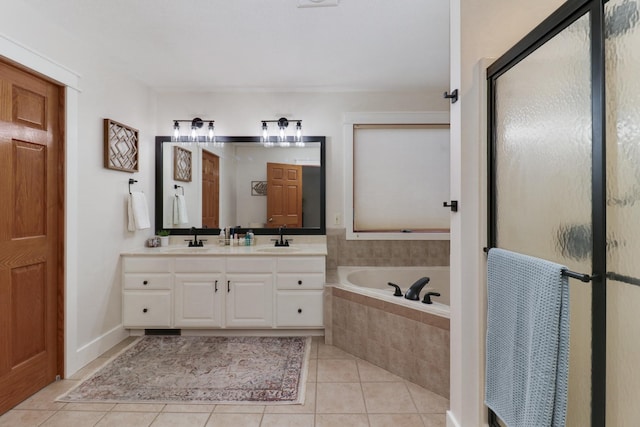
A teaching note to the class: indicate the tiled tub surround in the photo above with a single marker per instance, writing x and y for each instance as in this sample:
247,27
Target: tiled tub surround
410,343
341,251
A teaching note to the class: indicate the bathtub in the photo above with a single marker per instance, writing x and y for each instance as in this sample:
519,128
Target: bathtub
373,282
407,338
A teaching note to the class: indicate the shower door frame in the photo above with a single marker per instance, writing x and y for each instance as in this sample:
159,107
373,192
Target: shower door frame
549,28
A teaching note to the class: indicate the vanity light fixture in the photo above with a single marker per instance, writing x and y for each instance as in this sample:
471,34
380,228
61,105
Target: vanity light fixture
282,139
194,134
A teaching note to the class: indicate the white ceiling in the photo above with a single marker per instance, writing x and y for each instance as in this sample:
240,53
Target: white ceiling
194,45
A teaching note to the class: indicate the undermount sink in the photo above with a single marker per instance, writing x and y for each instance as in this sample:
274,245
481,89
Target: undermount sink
187,249
278,249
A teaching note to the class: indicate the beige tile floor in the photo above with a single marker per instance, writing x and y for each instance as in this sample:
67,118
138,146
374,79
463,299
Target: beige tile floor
342,391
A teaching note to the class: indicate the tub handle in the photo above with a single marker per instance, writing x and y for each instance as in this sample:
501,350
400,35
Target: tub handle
427,297
398,292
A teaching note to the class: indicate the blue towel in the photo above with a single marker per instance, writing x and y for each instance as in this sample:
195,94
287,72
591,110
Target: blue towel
527,340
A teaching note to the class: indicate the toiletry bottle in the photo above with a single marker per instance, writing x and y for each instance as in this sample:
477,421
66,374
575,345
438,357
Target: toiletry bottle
221,237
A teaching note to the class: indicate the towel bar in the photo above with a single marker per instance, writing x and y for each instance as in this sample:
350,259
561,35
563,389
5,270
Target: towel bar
580,276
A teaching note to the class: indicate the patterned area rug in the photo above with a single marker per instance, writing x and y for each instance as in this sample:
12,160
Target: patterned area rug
184,369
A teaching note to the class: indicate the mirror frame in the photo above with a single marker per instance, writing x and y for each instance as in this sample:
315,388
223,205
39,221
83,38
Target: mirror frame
160,140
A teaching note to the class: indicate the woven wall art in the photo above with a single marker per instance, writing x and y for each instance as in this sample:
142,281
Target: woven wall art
120,146
181,164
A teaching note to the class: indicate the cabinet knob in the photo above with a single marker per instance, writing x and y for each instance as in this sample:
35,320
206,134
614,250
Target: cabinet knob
146,282
299,310
299,282
144,310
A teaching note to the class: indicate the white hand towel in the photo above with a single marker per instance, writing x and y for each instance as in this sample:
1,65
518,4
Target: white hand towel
138,212
180,210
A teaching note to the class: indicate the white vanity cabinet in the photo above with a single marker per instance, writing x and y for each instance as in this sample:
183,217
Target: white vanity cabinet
146,296
249,292
300,281
199,292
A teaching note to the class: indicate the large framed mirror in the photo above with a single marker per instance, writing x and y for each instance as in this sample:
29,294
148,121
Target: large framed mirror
238,182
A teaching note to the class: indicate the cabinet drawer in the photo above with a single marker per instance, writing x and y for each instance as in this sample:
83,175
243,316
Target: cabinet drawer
300,281
147,281
199,265
147,264
250,265
146,309
299,264
298,308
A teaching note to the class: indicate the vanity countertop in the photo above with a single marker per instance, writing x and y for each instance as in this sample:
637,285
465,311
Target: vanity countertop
302,249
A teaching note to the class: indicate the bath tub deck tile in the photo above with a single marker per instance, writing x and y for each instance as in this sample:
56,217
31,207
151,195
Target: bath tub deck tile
433,320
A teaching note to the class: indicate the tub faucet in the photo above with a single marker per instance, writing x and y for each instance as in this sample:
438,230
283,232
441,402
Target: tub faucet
427,297
413,293
398,292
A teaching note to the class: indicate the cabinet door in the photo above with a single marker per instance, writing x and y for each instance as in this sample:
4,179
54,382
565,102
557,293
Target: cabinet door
249,300
198,300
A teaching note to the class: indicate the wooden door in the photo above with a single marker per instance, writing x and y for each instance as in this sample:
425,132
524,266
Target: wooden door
31,238
210,190
284,195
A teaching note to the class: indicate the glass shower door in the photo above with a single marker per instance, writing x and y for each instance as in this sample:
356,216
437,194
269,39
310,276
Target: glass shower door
622,55
542,155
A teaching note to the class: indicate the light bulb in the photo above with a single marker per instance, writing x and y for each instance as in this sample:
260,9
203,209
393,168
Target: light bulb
211,136
194,133
176,131
299,135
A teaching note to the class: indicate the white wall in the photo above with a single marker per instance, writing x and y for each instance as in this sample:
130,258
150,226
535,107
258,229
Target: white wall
240,113
95,199
479,29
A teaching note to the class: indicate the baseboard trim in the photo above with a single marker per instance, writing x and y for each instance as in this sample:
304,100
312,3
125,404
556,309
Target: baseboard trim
451,420
90,351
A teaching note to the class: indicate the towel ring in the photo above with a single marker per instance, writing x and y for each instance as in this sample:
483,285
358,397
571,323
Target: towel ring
176,186
131,181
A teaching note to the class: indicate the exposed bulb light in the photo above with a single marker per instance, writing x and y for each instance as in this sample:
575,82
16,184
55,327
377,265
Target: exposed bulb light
176,131
299,142
194,134
283,139
211,135
265,135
